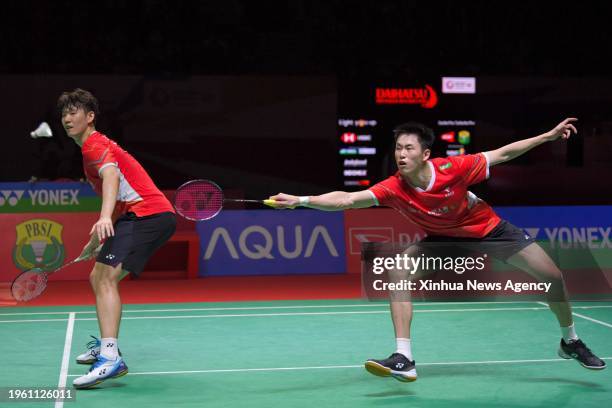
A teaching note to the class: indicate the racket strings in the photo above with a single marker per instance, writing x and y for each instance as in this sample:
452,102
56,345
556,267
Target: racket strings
29,285
199,200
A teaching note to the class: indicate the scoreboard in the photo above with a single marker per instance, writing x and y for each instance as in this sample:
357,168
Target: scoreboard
367,114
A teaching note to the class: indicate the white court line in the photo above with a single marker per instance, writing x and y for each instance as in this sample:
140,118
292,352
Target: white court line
282,314
65,358
592,320
321,313
450,363
210,316
585,317
260,308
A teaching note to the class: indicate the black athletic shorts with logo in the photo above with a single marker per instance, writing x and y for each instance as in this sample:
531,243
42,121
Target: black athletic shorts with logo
502,242
136,239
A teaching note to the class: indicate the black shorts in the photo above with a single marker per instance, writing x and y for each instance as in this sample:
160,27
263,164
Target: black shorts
502,242
136,239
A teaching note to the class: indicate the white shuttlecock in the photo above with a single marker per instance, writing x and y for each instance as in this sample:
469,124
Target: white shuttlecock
43,130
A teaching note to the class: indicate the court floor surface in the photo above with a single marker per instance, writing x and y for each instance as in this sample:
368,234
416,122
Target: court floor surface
311,353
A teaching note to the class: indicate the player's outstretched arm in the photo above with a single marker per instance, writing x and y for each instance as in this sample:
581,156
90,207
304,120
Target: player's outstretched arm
505,153
334,201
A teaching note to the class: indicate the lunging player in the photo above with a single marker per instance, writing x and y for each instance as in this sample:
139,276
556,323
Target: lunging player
433,193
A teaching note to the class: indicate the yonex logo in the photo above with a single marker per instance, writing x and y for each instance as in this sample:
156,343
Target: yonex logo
568,237
11,197
110,256
110,345
399,366
203,199
40,197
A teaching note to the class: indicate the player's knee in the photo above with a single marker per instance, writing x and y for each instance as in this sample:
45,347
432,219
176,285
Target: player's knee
103,276
92,278
398,275
552,275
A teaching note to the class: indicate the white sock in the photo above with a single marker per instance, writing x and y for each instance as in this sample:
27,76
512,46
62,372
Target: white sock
109,348
403,347
569,333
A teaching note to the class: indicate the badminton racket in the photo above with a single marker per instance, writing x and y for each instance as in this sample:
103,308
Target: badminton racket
199,200
31,283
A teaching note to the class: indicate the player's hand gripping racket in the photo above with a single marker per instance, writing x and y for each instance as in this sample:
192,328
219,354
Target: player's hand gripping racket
199,200
31,283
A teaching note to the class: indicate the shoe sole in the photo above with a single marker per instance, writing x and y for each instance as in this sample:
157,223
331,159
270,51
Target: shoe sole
566,356
381,371
84,387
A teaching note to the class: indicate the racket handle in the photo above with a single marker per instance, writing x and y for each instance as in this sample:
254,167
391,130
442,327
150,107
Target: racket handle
270,203
274,204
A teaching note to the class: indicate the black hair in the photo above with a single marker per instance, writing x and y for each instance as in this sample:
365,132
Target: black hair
424,134
79,98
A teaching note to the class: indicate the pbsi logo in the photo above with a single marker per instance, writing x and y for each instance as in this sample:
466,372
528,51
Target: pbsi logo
38,245
257,242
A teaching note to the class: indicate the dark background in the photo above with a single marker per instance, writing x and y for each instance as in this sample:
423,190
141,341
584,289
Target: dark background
302,62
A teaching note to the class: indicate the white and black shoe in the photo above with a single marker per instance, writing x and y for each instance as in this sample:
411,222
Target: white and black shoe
577,350
397,366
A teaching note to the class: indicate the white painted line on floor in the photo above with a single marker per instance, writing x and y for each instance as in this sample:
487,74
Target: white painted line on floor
65,358
584,317
203,309
212,316
243,370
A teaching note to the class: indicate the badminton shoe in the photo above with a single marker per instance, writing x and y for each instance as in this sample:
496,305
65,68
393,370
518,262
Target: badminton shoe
397,366
580,352
102,370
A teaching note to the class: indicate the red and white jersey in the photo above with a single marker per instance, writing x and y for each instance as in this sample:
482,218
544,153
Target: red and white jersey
445,207
137,192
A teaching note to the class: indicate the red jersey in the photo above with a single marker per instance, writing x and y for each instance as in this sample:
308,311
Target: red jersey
137,192
445,207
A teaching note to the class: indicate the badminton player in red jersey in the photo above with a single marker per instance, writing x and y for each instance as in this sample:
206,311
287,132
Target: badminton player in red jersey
135,220
433,193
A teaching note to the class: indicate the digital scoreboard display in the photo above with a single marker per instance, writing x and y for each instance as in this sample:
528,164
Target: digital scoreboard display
368,113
